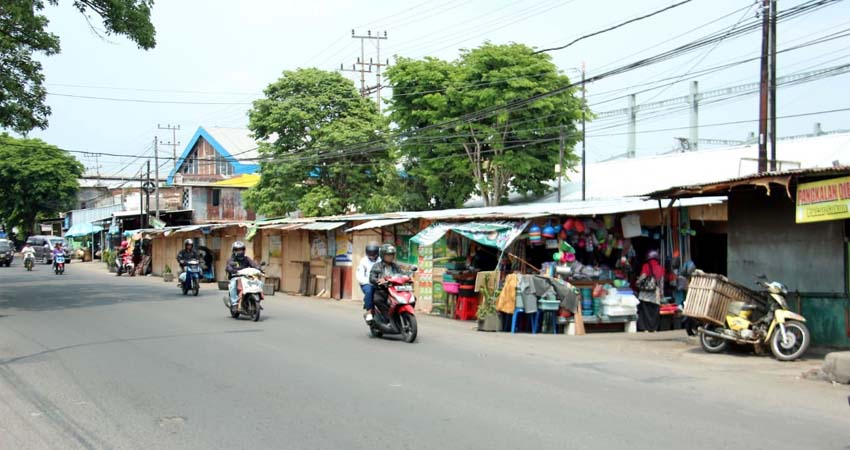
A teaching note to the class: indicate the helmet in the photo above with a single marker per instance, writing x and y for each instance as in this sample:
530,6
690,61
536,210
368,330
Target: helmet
372,249
236,247
188,242
387,249
125,244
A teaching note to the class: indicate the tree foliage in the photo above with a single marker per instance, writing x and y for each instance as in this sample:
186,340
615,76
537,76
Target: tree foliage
23,34
313,126
514,150
36,180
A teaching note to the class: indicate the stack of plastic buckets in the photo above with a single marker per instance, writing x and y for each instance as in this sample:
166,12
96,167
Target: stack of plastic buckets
586,301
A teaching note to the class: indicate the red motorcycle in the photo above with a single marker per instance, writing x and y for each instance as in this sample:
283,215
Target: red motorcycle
399,317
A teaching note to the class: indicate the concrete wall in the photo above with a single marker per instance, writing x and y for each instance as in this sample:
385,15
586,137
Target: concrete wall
763,238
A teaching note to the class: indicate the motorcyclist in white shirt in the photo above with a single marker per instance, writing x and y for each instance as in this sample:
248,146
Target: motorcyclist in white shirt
363,270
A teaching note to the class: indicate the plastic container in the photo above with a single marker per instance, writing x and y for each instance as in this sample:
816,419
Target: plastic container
451,287
466,290
467,308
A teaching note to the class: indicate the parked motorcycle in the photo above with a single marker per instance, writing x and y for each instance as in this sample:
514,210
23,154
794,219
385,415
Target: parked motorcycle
767,321
250,290
190,279
59,265
399,317
124,264
29,261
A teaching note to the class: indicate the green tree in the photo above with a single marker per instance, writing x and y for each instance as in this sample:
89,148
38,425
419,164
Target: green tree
313,126
23,34
36,180
514,150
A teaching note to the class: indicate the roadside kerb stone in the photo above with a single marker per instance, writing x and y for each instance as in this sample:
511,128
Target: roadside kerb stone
836,365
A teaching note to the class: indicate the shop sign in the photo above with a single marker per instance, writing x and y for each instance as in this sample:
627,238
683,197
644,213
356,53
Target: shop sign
823,200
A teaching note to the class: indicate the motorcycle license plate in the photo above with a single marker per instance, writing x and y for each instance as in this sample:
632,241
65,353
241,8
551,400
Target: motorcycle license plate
60,260
194,269
404,288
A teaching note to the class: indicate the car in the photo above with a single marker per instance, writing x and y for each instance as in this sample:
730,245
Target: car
43,246
7,252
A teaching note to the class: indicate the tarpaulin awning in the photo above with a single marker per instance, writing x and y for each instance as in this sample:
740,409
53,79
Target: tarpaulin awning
493,234
322,226
83,229
376,224
247,180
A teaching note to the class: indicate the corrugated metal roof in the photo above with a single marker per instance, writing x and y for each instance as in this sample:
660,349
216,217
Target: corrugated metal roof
94,214
761,179
376,224
322,226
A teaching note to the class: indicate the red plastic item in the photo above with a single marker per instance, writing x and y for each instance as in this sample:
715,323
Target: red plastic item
467,308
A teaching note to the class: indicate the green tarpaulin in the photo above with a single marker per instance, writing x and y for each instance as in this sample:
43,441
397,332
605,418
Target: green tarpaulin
493,234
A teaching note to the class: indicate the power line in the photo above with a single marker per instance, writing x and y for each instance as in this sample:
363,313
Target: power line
620,25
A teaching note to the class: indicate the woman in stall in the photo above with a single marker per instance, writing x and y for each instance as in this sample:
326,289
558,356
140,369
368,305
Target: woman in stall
649,293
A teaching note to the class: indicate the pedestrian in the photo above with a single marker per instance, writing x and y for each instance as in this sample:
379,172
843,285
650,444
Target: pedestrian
363,270
649,293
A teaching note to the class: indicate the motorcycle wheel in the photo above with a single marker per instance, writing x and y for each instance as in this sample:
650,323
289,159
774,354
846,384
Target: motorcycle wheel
184,289
797,341
195,288
376,333
234,313
255,312
408,327
712,344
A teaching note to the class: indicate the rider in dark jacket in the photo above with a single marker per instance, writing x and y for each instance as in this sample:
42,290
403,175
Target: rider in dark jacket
238,261
383,269
187,254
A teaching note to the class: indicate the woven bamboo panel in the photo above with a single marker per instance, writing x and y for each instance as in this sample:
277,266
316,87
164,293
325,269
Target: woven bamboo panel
709,296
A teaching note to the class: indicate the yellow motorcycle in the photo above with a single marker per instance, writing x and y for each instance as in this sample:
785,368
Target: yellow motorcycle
766,321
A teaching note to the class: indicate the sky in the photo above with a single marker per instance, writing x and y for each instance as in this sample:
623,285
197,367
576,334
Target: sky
214,57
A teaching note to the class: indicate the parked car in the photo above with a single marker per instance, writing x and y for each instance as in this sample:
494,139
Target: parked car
7,252
43,246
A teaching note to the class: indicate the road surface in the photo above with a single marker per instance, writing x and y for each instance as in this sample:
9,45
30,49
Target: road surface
92,361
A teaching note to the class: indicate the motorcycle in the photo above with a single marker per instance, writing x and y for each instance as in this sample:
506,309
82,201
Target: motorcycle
399,317
29,261
250,291
190,278
124,264
765,322
59,265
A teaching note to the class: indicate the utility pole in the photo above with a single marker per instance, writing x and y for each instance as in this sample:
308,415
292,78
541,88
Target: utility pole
148,195
772,83
560,161
360,65
583,135
763,85
173,143
694,131
156,174
630,149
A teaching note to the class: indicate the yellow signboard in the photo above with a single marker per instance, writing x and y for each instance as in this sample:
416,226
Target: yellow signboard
823,200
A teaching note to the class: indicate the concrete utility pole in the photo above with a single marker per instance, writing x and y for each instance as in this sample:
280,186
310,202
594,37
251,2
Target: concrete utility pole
583,135
772,84
560,161
173,143
764,85
632,144
694,128
361,64
156,174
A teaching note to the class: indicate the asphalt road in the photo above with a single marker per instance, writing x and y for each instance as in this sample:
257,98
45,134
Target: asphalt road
92,361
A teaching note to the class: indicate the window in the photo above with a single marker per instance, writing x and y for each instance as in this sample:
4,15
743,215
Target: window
216,197
222,167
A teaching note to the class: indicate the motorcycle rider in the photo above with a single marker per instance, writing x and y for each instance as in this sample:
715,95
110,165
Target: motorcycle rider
28,252
123,253
379,274
363,271
187,254
238,261
57,251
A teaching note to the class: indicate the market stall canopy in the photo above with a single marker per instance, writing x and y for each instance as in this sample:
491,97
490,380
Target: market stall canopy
322,226
493,234
380,223
83,229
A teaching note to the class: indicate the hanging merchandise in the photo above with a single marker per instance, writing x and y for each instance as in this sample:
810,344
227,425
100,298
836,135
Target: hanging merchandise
582,243
580,227
631,226
557,256
570,257
549,231
569,225
567,248
557,227
534,235
562,235
551,244
608,220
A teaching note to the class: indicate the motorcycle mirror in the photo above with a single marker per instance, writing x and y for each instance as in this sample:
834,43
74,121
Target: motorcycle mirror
414,269
263,263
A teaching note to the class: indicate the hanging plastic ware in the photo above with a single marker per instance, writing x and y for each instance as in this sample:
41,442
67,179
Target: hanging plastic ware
534,235
609,221
569,225
549,231
567,248
579,226
556,256
581,243
562,235
557,227
570,257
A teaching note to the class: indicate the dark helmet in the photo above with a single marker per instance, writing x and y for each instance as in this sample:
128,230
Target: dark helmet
236,247
372,249
188,242
387,249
